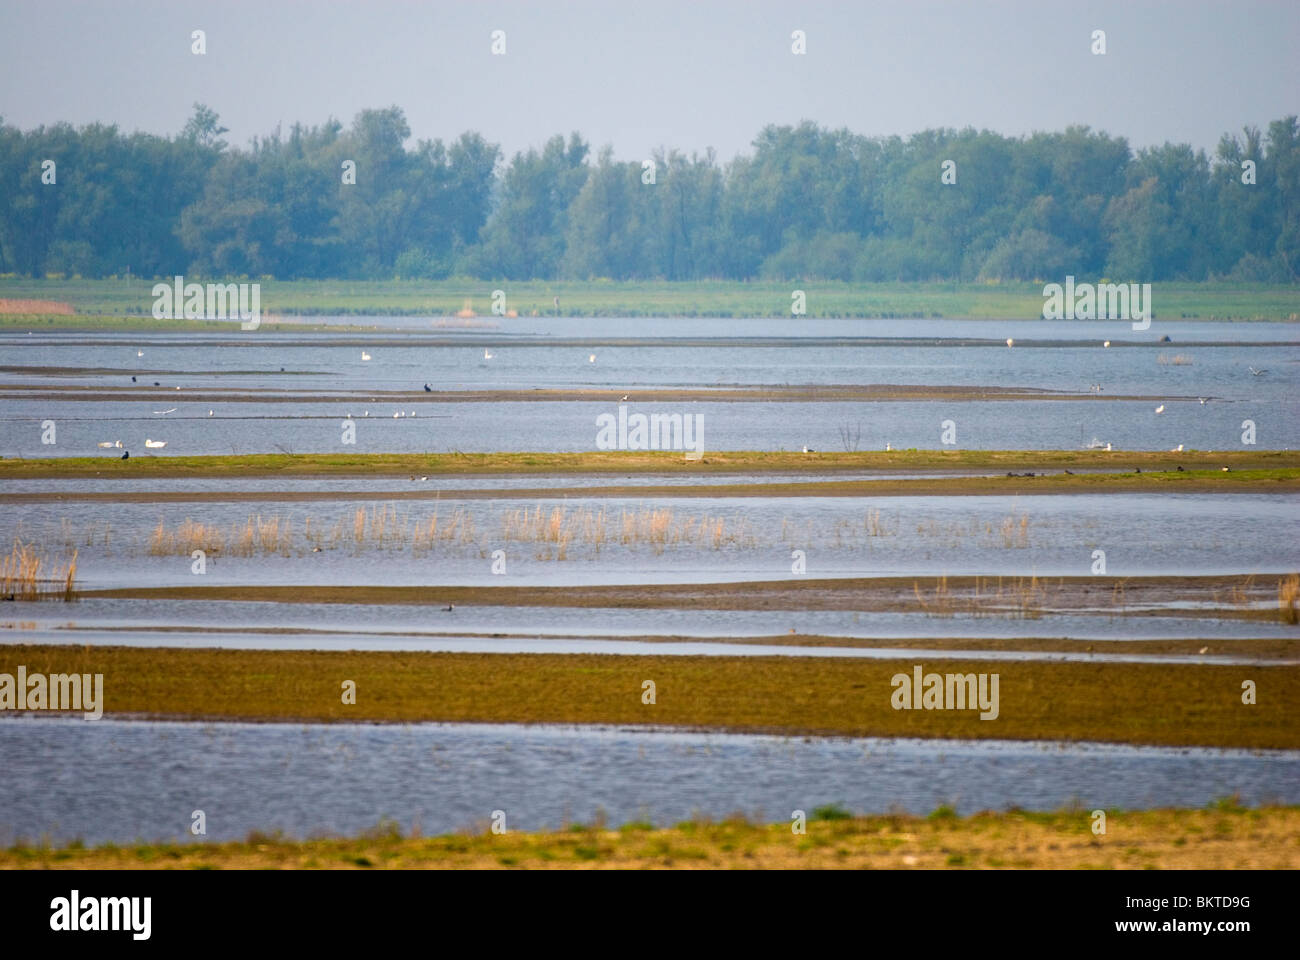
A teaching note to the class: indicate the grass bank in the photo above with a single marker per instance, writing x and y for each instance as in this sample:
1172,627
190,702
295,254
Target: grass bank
1225,836
657,462
1231,301
1110,702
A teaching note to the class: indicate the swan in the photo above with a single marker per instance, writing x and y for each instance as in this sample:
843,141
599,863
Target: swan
109,443
155,444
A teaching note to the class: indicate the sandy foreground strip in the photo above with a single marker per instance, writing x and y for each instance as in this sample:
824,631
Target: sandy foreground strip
1158,704
1225,837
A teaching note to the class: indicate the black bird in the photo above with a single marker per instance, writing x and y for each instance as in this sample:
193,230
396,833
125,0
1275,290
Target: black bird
157,384
1137,469
1068,473
126,454
1180,469
1166,339
428,389
133,379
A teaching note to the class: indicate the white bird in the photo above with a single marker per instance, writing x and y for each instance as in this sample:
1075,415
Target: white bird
164,412
209,413
488,354
592,358
622,398
109,443
1177,449
155,444
1108,446
364,355
1160,409
396,415
1105,343
1257,373
888,447
139,353
1010,341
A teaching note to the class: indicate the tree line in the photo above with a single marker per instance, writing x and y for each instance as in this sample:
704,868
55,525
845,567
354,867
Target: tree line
807,203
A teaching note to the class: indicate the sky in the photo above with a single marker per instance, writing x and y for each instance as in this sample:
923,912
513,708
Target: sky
687,75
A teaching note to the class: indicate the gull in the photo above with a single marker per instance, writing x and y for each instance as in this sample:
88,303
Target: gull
412,413
424,478
139,353
1105,343
622,398
888,447
1010,341
488,354
364,355
162,412
1160,409
1257,373
1107,446
155,444
806,450
209,413
1202,399
591,359
1177,449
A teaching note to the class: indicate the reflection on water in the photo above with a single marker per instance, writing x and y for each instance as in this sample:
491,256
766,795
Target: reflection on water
118,781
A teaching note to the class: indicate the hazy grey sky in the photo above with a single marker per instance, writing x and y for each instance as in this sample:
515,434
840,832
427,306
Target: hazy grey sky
638,75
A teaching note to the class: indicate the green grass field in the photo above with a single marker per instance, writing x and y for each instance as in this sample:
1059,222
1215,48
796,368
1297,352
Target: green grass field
133,298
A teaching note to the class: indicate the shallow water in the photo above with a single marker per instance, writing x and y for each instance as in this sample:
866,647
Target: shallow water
119,781
316,364
1043,535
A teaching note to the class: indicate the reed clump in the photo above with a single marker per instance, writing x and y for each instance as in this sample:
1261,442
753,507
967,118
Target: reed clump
1288,592
21,575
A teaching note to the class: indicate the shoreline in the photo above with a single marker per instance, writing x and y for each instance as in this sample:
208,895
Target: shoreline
641,463
1223,835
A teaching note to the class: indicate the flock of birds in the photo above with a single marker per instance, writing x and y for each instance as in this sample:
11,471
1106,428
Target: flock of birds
1095,444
